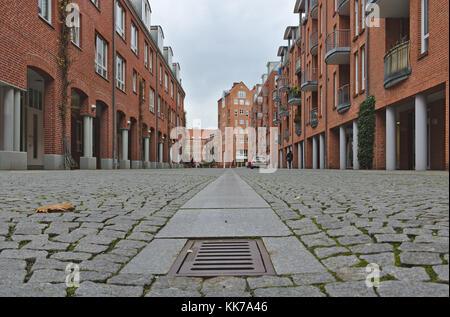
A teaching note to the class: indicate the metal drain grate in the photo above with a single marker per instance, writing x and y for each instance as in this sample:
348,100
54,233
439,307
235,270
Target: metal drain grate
223,258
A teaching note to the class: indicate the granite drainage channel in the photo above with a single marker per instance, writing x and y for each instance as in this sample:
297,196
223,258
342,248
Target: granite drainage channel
209,258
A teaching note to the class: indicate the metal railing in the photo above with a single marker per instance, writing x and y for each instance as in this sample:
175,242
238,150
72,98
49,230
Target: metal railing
314,4
339,38
309,76
286,135
260,101
298,36
313,42
294,98
343,102
341,3
397,65
314,120
283,83
298,127
276,95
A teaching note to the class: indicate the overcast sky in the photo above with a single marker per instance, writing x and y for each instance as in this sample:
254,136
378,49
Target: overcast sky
218,42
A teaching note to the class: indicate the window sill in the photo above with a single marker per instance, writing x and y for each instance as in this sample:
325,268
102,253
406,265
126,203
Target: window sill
422,55
77,46
99,75
47,22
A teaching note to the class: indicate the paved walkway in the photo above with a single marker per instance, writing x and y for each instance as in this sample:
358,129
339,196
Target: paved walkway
321,229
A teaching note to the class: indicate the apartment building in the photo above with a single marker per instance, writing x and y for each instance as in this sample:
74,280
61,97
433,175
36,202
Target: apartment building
236,111
343,51
123,89
200,145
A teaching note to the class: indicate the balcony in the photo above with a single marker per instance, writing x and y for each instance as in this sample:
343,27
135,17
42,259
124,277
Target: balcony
286,135
338,48
397,66
265,91
283,83
343,103
391,9
313,43
298,36
260,116
343,7
276,95
314,118
314,8
298,67
294,98
284,112
260,100
309,80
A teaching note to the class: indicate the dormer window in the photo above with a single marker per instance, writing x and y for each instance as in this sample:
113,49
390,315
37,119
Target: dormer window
147,14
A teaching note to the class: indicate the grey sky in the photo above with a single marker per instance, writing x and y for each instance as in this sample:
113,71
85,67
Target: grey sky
218,42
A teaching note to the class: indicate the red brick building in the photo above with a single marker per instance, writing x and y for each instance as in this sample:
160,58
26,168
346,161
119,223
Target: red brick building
344,51
124,93
236,111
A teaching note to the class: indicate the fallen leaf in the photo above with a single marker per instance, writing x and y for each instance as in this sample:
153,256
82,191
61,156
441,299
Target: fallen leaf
56,208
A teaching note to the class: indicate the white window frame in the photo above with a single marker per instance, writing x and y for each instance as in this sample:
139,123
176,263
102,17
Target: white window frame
356,73
363,14
171,90
134,81
152,100
151,61
120,72
95,2
166,81
47,5
145,54
75,35
363,68
120,20
134,38
101,56
424,27
356,18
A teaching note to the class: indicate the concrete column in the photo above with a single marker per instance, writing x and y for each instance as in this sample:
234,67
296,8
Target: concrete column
87,137
315,150
17,121
322,151
147,149
124,145
391,142
342,148
8,119
355,145
300,155
421,133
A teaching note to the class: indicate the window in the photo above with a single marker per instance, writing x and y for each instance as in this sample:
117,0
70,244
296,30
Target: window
363,14
160,74
147,15
146,54
120,20
242,94
75,34
356,18
241,112
101,56
235,123
142,88
236,102
95,2
241,102
45,10
241,121
120,78
134,39
356,74
134,81
166,82
247,102
152,100
159,106
363,68
235,113
247,113
151,61
425,34
171,89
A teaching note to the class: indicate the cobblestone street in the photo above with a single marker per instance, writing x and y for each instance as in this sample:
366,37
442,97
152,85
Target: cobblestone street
341,221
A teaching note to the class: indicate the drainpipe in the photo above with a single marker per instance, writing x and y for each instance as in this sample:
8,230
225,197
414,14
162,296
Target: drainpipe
367,58
326,91
156,99
114,89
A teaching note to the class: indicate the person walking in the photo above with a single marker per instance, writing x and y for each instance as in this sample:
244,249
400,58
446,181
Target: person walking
289,158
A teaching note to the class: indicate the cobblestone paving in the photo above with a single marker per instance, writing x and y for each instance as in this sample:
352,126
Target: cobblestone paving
345,219
399,221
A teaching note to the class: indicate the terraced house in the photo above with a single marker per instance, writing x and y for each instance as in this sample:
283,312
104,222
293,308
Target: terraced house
341,53
105,98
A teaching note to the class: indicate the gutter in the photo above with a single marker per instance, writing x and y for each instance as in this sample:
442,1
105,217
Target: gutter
114,89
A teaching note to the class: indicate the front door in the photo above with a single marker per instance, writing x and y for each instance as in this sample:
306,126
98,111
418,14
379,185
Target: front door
35,121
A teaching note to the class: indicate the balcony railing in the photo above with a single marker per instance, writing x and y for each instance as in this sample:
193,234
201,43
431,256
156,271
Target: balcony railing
298,66
313,43
283,83
276,95
314,8
260,101
286,135
298,128
298,36
309,79
397,65
294,98
343,98
284,112
314,118
343,7
338,47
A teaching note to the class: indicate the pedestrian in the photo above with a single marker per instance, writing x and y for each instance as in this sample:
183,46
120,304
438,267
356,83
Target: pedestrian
289,158
192,162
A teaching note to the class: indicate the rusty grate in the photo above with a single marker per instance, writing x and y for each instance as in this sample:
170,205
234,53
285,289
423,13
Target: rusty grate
208,258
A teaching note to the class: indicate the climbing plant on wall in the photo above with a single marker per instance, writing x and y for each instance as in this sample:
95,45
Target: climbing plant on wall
366,132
